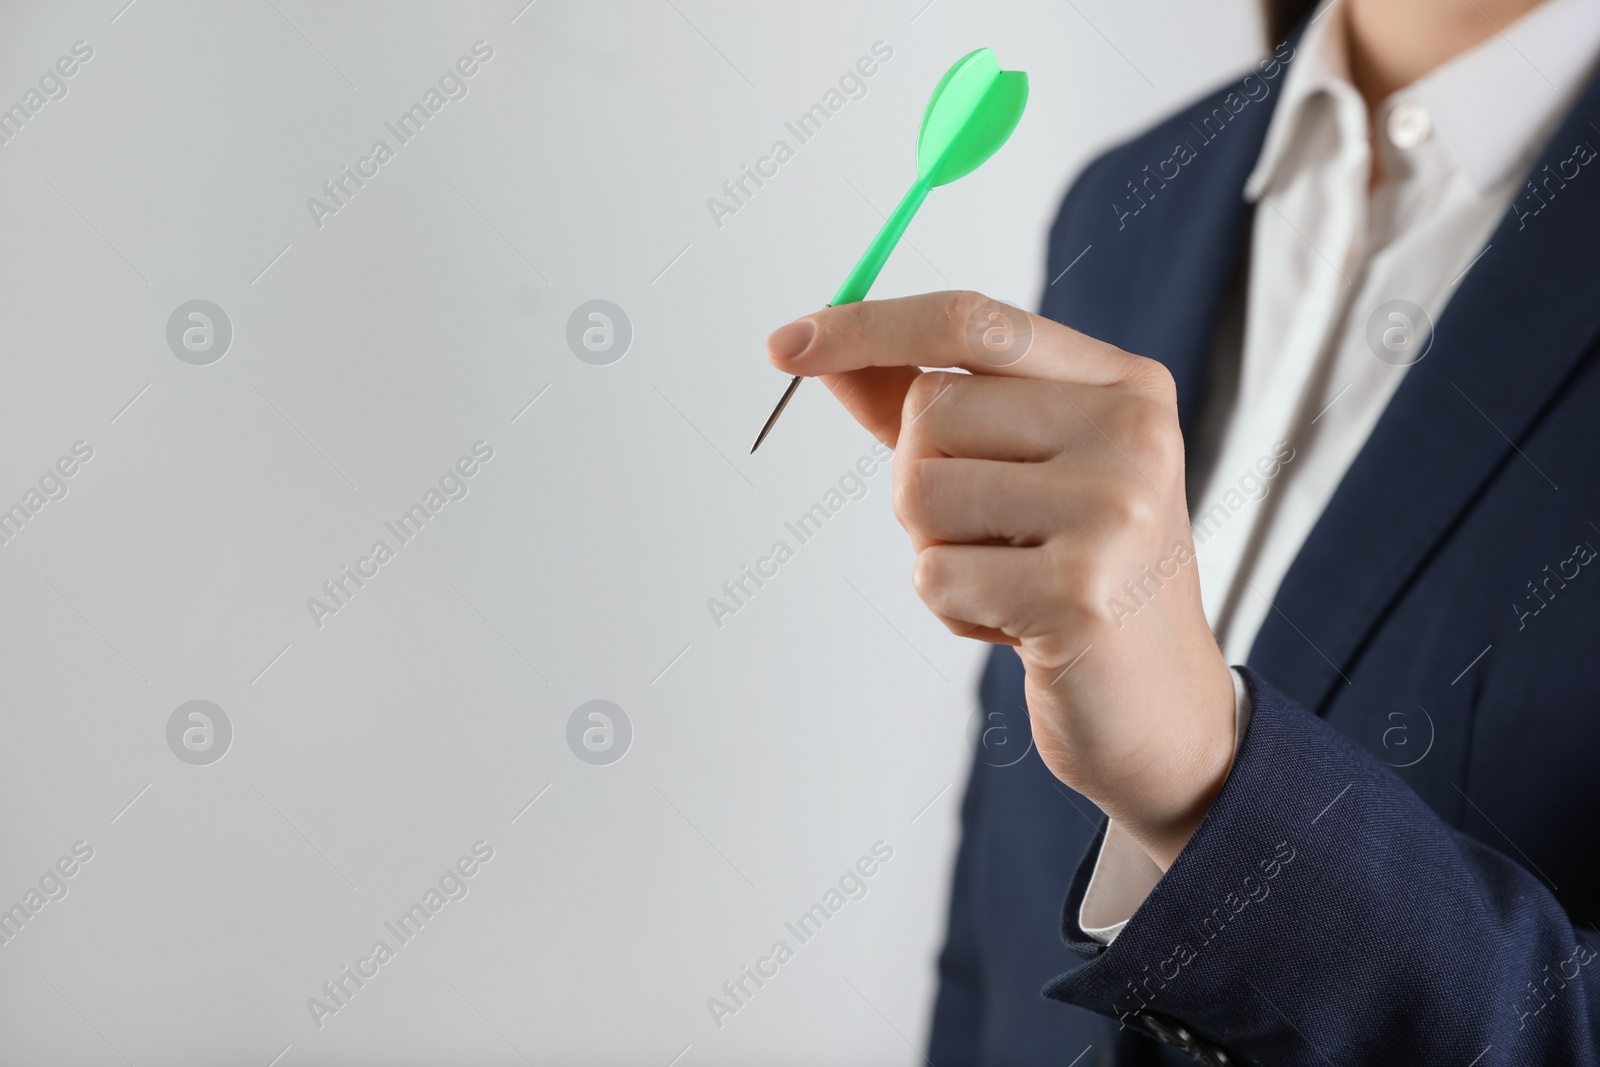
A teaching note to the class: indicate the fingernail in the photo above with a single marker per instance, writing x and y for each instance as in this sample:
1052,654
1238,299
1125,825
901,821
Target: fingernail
791,340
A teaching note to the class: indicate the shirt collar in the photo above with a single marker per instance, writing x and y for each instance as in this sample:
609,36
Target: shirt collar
1318,69
1493,105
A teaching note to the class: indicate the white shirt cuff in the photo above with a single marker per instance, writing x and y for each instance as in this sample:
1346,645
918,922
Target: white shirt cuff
1124,873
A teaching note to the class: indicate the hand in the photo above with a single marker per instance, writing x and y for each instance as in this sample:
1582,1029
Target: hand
1044,495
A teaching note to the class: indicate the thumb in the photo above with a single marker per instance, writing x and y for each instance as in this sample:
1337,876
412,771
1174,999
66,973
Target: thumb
874,396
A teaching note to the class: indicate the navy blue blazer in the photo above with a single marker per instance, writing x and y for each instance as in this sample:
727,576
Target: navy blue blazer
1401,866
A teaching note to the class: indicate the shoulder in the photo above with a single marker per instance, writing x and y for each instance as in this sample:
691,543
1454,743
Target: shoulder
1104,196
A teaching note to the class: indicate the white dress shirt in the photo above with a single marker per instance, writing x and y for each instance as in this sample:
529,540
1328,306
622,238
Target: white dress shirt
1326,337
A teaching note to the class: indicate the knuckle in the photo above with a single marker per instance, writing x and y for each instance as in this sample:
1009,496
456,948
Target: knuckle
925,389
1128,509
1122,518
1151,428
1153,377
1142,421
1071,583
961,306
930,574
1167,456
912,487
1070,598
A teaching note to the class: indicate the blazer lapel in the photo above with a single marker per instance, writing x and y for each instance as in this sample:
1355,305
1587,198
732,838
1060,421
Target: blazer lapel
1145,262
1515,330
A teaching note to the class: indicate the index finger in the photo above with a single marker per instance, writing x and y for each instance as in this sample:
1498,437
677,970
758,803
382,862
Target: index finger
957,329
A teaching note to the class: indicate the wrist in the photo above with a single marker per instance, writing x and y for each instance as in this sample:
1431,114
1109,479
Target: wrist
1170,804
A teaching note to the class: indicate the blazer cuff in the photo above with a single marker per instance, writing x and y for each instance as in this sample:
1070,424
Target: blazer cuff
1323,913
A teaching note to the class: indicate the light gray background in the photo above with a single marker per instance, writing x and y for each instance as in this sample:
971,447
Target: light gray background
368,755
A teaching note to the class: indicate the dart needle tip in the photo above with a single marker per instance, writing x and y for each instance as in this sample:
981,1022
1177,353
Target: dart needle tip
783,402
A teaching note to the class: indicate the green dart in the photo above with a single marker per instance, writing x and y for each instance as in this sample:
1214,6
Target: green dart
973,110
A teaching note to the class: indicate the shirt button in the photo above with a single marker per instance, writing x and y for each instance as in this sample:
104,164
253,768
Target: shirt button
1408,124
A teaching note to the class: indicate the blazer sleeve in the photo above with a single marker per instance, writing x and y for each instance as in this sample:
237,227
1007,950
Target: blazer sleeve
1323,914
